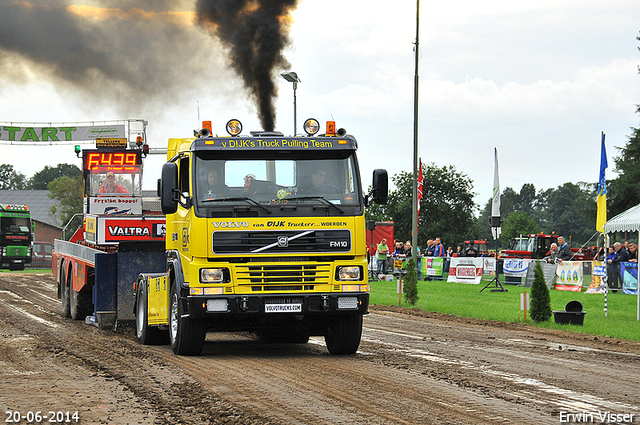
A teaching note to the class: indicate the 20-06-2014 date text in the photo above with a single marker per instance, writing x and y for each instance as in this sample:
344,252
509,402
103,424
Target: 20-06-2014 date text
37,417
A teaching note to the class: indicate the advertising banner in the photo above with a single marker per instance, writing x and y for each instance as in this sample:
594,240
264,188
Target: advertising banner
629,273
432,266
569,276
114,205
125,229
465,270
597,285
516,267
489,265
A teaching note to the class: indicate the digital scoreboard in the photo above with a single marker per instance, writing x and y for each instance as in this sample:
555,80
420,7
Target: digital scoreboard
111,160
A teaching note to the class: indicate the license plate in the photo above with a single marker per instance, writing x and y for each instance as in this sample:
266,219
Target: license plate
283,308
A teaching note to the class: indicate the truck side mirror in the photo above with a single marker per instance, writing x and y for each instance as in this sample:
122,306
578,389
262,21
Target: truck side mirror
380,186
168,188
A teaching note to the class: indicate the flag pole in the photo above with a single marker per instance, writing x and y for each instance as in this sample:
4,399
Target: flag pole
414,203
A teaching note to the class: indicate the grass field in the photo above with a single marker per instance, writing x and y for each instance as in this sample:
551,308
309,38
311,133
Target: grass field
467,301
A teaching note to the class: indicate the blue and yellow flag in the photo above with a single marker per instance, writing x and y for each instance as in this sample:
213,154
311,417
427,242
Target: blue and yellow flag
601,217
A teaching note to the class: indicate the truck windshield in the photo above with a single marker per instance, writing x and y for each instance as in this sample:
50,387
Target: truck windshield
276,182
105,181
14,225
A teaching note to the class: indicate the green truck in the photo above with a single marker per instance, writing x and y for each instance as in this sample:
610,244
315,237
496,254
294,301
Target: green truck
15,236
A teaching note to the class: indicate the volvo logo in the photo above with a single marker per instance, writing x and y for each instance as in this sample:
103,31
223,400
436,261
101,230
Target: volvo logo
283,241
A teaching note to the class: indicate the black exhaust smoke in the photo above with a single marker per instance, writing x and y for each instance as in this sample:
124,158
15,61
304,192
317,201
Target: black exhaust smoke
256,33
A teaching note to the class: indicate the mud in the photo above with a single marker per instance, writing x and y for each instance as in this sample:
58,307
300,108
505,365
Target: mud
412,367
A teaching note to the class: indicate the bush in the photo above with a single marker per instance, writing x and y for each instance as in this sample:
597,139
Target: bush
410,283
540,298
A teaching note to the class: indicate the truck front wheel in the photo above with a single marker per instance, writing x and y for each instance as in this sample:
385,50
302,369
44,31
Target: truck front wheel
147,335
343,334
186,335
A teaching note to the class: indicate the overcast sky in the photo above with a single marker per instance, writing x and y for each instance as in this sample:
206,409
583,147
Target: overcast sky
540,80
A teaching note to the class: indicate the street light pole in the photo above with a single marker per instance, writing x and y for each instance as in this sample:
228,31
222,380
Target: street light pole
292,77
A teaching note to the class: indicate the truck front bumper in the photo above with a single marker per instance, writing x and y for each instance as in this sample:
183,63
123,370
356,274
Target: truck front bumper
278,304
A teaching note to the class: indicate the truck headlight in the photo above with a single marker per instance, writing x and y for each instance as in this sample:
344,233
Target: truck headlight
349,273
213,275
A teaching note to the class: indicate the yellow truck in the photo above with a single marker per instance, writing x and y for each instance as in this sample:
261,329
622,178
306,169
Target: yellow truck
264,234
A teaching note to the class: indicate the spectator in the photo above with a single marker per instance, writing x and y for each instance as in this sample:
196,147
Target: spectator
564,250
110,186
633,252
399,250
430,248
407,249
383,251
620,256
438,251
459,253
552,255
599,255
610,265
447,259
471,251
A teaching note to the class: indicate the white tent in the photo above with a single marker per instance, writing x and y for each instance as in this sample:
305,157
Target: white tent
627,221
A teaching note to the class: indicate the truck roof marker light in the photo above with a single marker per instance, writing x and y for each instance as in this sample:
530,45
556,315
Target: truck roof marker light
234,127
311,126
331,128
207,125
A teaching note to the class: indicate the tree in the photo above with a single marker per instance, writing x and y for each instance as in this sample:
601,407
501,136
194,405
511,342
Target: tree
446,210
624,191
518,223
571,211
410,283
68,192
540,298
41,179
11,179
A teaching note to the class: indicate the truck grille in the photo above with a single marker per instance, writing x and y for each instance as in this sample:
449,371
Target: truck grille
283,277
278,242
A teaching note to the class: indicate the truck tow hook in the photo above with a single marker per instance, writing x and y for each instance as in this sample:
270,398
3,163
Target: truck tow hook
244,303
325,302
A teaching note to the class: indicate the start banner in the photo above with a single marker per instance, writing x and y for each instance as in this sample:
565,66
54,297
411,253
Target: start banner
59,134
465,270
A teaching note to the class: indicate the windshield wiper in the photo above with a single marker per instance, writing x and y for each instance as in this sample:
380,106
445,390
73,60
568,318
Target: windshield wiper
242,198
320,198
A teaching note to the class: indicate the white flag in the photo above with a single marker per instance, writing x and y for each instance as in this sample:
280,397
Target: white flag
495,201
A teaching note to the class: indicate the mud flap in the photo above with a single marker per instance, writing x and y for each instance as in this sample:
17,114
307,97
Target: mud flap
104,291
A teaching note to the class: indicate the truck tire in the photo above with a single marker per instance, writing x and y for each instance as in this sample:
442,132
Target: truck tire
185,335
64,292
343,334
80,304
147,335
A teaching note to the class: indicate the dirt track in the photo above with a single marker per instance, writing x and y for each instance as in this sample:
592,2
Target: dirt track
410,369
